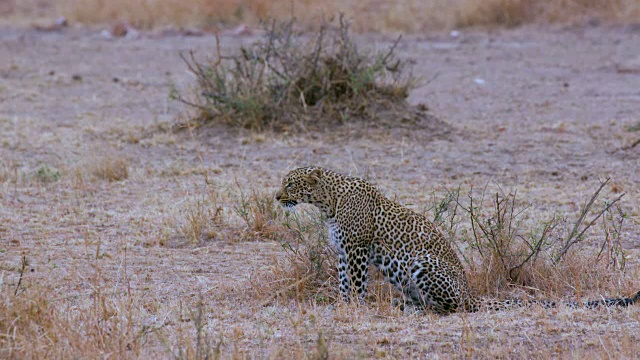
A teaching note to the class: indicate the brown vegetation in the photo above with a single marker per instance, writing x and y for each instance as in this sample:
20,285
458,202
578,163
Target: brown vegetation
370,15
518,12
110,168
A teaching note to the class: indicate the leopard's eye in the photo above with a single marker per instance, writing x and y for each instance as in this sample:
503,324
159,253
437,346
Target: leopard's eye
289,186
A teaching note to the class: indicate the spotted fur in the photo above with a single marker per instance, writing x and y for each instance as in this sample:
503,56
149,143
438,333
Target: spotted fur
367,228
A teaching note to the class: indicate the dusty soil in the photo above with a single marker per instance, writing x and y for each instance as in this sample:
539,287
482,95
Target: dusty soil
546,112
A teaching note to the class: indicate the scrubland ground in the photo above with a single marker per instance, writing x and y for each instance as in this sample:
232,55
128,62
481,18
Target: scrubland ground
121,237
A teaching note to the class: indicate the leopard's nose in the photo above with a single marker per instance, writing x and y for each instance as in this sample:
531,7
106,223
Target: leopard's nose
278,195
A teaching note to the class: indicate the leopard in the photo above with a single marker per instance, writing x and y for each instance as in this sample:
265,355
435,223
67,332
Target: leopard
366,228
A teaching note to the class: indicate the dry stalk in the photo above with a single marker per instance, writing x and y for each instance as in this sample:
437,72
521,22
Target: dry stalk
575,236
22,269
613,232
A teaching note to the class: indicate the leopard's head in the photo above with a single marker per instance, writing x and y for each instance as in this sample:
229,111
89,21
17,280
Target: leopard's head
301,186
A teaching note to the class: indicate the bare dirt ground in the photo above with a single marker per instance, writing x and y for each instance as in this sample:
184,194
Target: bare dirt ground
546,112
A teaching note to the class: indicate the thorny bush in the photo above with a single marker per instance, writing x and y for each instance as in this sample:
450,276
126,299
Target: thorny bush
290,81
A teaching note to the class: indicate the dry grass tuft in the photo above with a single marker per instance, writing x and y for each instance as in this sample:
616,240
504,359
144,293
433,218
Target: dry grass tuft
287,81
205,344
110,168
308,270
201,216
260,214
229,214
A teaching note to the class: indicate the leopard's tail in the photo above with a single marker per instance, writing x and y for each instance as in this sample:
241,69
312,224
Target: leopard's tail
624,302
497,305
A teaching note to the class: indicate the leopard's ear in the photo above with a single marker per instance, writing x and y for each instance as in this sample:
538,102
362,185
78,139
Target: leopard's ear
313,178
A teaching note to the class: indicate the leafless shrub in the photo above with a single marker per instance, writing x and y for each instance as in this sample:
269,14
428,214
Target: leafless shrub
501,252
576,235
611,246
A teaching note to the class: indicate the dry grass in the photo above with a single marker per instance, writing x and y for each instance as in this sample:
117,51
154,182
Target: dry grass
230,213
39,320
260,215
517,12
25,11
308,271
201,215
370,15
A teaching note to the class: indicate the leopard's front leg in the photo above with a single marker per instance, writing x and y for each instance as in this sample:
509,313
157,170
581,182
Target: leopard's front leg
343,275
353,269
353,263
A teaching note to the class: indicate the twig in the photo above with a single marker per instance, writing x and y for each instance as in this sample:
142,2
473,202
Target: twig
431,79
389,53
218,50
208,109
634,144
585,210
24,266
535,250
